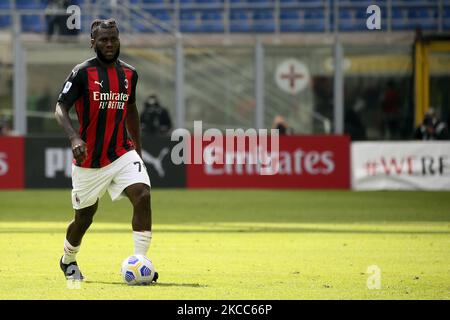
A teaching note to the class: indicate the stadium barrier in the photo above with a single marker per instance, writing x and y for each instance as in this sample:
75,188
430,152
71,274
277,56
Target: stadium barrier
51,164
12,170
306,162
407,165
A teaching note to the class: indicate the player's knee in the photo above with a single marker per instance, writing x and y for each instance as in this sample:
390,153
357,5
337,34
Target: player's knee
143,198
84,220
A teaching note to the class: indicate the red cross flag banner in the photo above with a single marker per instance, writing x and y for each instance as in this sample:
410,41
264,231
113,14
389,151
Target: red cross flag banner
292,76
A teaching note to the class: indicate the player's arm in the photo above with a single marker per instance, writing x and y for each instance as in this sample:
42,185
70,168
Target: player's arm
71,91
133,126
79,149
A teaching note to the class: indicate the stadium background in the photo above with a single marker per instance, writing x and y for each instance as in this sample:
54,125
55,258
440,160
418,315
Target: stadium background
217,61
220,61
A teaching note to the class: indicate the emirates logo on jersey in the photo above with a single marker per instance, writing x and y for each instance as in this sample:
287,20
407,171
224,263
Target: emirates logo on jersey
110,100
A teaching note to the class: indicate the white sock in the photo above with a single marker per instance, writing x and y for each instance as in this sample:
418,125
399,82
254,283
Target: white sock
70,252
142,241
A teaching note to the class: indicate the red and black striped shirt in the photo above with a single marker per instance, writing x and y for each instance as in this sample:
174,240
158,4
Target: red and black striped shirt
101,96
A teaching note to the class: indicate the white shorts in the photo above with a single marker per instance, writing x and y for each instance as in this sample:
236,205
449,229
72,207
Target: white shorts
90,184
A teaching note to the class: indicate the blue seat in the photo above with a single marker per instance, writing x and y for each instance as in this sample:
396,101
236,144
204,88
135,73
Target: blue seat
240,21
32,23
212,21
446,20
186,3
209,1
314,21
189,21
348,22
30,4
79,2
424,17
263,21
162,15
259,1
137,25
289,21
162,22
5,4
5,21
400,19
290,2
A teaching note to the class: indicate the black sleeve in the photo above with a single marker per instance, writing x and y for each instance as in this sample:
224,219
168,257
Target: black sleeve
134,81
72,89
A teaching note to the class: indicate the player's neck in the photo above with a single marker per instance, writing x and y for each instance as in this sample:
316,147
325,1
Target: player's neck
105,64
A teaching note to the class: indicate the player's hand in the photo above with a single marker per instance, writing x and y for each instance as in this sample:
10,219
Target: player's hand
79,150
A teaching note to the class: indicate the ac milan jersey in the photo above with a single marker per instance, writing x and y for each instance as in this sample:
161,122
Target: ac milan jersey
101,96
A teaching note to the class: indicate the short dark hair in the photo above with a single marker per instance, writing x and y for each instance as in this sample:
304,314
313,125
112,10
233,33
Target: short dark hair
104,24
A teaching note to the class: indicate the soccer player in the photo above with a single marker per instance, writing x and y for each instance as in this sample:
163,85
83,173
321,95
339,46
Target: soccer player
107,148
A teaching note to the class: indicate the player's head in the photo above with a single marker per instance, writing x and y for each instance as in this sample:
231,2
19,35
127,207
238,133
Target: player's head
105,40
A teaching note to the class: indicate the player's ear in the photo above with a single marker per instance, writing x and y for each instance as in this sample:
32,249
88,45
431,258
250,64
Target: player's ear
92,42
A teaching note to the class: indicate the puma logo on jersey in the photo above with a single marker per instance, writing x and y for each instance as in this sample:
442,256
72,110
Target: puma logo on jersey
99,83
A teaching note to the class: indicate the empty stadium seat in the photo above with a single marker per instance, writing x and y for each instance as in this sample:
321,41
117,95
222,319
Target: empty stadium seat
32,23
446,19
162,15
426,18
186,3
260,1
5,21
216,3
240,21
138,26
289,21
400,19
263,21
258,15
212,21
31,4
348,22
314,20
189,21
79,2
5,4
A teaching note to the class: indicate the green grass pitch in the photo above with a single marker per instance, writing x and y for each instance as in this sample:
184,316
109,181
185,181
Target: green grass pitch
236,244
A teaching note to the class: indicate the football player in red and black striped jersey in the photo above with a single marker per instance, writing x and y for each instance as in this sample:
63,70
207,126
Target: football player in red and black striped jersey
107,146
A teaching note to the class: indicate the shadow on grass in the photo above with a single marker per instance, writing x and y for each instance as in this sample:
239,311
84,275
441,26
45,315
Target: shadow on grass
241,205
158,284
251,230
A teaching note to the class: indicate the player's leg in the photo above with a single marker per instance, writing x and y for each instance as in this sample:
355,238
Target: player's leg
74,235
76,230
88,186
139,195
131,180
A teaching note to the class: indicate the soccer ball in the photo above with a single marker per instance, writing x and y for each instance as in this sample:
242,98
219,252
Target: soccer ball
138,270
